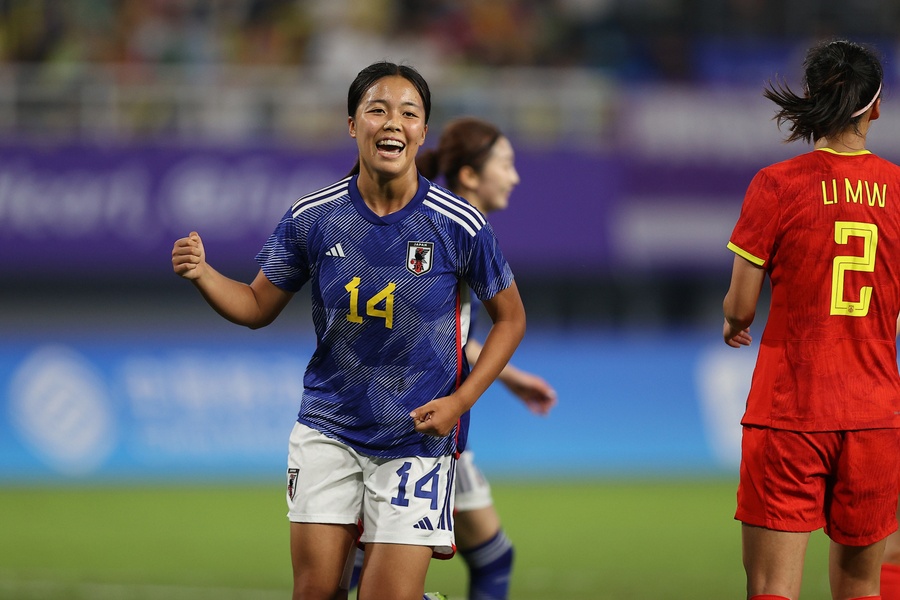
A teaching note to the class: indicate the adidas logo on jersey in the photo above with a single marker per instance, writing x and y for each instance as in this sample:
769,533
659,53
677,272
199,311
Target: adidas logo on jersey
335,250
424,523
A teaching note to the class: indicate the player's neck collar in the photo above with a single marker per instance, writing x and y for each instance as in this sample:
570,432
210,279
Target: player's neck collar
851,153
395,217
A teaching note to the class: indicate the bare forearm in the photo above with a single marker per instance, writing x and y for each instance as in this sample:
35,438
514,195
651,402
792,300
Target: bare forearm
491,360
439,416
507,375
251,305
739,317
254,305
232,299
740,302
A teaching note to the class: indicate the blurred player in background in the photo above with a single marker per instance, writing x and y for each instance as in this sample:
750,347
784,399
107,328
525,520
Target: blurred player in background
821,444
477,162
386,393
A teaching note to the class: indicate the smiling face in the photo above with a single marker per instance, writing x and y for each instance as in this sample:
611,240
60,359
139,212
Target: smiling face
389,127
493,185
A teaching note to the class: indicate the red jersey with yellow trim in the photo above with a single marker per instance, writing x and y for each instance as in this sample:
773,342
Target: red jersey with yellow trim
826,228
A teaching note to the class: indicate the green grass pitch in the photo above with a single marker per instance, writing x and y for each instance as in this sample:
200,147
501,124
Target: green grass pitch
602,539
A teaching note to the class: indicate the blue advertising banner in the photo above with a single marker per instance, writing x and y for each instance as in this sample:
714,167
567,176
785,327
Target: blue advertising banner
221,407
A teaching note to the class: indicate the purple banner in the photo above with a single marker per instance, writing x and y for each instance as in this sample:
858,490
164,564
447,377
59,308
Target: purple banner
114,210
105,211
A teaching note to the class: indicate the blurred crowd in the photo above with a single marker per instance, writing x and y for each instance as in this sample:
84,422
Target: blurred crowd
631,39
302,53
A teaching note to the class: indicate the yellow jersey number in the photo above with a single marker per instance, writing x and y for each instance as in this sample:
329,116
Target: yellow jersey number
843,231
386,295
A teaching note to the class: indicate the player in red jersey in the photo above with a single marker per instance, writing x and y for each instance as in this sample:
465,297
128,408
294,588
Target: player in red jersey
821,431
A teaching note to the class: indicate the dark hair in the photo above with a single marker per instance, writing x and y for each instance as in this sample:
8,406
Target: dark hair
841,78
465,142
367,78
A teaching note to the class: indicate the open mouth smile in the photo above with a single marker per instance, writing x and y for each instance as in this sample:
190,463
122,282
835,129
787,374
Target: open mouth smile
390,147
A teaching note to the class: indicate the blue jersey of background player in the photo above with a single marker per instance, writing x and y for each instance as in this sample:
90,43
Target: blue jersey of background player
382,287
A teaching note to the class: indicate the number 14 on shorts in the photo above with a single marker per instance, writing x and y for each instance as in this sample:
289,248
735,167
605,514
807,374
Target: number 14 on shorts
427,487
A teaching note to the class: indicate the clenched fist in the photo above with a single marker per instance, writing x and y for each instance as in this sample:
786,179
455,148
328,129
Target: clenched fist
188,256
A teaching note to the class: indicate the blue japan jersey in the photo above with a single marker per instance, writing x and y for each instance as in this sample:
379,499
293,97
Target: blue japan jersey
386,300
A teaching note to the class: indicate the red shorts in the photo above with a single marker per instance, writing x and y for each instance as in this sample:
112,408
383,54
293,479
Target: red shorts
845,481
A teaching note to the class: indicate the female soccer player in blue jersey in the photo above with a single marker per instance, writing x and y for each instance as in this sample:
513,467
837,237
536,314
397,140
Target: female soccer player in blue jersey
387,390
477,162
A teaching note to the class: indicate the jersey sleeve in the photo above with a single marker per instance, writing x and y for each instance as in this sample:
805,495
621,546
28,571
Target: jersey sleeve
486,270
284,259
753,237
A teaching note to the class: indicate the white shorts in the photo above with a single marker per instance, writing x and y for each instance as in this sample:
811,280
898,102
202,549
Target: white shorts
399,500
472,488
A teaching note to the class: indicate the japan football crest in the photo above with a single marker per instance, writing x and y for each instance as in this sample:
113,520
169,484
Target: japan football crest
292,482
418,257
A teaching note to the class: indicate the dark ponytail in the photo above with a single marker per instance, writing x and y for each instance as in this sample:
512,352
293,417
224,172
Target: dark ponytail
842,80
